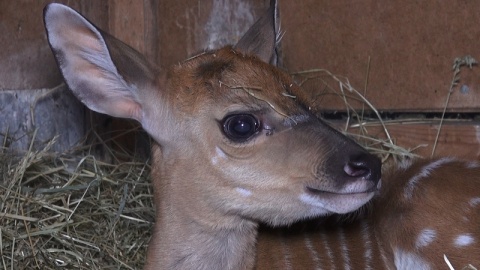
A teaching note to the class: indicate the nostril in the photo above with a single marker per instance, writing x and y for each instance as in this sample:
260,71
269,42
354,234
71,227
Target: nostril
357,169
364,166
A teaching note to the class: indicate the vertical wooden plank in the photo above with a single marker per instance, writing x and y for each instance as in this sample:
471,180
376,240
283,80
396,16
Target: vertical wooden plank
127,22
134,22
189,27
26,61
150,8
24,50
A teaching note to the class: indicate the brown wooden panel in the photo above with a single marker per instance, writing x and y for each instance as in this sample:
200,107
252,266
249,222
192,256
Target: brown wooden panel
406,47
127,22
189,27
461,139
26,61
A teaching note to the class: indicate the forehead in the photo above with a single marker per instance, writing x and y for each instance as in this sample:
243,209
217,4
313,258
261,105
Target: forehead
228,77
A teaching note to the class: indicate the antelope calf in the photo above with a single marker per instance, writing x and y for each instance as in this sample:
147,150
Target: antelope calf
235,146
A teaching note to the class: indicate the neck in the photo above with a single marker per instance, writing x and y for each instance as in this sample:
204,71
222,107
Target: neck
180,242
192,236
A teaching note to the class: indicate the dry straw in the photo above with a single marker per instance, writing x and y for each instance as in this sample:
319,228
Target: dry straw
72,211
384,147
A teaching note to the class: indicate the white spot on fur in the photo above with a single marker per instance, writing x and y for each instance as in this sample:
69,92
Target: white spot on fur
424,173
219,154
344,248
477,129
472,164
327,248
367,244
214,160
295,119
405,163
408,260
244,192
464,240
287,256
313,252
474,202
381,248
425,238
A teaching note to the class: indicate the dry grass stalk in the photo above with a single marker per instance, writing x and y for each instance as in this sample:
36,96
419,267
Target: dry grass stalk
386,148
72,211
459,62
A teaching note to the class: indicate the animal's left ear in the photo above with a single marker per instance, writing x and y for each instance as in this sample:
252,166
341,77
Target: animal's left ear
262,38
103,73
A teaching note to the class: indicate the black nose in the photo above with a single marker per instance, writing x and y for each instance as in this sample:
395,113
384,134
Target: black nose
365,166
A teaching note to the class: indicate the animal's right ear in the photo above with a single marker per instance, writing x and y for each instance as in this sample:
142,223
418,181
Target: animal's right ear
102,72
263,37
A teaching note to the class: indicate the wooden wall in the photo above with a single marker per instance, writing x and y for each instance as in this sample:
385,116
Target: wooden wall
398,54
402,50
26,59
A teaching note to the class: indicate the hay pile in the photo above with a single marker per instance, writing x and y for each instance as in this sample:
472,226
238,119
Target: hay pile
72,211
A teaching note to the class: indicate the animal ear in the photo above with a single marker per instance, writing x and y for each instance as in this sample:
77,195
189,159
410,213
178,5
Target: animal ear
102,72
262,38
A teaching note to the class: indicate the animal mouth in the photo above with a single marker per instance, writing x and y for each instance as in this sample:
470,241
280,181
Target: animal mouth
337,201
324,193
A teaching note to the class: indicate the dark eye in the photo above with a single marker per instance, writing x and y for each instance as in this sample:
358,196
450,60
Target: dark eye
240,127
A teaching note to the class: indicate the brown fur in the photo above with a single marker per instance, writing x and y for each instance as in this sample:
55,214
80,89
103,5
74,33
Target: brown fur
439,202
